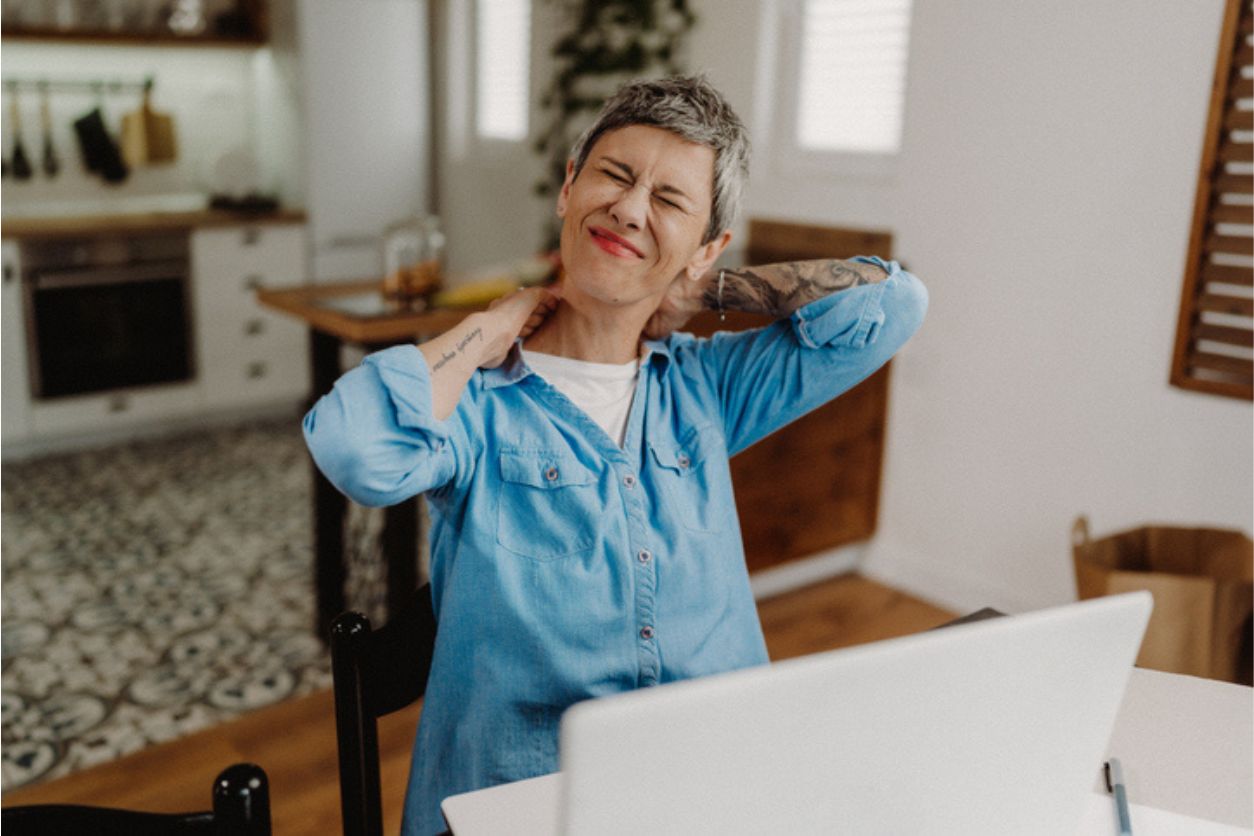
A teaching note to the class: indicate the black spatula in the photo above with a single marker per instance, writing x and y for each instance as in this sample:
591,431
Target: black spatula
21,164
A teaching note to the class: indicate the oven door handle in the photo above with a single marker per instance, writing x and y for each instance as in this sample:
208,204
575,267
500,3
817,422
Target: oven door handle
96,276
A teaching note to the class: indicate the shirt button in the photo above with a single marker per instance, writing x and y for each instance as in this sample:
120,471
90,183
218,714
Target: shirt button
551,474
684,461
646,632
644,556
629,480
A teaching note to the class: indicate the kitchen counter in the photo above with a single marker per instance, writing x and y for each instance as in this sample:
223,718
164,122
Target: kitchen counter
138,222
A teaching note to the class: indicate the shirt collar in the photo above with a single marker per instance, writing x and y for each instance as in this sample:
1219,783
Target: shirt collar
510,371
658,352
515,368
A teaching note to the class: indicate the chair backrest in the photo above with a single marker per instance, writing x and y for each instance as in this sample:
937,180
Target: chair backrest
772,241
241,807
375,673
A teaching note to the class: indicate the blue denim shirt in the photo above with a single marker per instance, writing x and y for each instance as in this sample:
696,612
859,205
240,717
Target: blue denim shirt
564,567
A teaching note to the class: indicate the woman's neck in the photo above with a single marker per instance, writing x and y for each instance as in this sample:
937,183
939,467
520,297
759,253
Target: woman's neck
580,334
574,333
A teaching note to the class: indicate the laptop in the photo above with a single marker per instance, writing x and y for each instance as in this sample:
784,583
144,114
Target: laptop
993,726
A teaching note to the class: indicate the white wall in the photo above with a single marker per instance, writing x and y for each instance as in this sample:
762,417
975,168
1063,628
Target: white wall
487,202
1044,195
364,100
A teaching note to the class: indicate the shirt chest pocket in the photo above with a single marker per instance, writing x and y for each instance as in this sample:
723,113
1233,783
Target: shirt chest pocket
549,504
686,473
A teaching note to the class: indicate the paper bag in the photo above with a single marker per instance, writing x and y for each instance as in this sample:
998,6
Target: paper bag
1202,580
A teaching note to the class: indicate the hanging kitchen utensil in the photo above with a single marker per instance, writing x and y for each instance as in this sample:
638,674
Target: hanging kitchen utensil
88,133
148,136
159,127
134,139
100,154
21,164
52,164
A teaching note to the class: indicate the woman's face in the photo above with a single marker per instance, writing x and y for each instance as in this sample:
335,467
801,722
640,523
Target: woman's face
634,217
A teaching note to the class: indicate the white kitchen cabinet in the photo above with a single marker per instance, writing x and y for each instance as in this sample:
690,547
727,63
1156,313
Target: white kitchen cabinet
245,358
246,355
15,394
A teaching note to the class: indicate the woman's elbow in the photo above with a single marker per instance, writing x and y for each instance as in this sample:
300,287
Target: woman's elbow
906,309
343,459
375,468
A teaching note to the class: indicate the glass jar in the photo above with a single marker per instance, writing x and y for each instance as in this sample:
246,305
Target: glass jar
413,258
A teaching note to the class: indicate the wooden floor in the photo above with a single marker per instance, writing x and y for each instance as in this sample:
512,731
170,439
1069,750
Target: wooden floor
295,741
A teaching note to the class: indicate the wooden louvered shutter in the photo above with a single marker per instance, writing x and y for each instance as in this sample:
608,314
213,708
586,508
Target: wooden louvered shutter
1214,349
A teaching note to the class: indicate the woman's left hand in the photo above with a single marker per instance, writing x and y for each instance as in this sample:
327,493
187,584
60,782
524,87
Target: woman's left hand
684,299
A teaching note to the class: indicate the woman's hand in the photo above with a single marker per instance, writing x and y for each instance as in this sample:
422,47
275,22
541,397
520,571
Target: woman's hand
516,315
683,301
482,341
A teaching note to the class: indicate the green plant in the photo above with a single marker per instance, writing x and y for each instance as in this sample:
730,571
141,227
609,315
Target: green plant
609,42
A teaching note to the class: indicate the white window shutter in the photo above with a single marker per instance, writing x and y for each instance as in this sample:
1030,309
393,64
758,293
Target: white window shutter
503,57
852,75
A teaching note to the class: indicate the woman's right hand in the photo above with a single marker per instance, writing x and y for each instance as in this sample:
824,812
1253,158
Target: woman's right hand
482,340
513,316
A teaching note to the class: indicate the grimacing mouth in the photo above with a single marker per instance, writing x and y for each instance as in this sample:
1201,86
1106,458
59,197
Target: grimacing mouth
602,232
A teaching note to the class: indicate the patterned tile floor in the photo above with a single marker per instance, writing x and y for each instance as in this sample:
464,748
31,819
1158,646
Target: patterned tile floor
156,588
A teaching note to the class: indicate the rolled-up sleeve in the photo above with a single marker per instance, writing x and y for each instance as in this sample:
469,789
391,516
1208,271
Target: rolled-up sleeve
770,377
374,435
853,318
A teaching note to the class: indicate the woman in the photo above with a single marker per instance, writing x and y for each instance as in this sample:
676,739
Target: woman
574,449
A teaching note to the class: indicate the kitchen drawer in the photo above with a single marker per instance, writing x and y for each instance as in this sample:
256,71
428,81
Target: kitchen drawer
231,299
245,323
258,369
275,254
271,344
123,408
257,385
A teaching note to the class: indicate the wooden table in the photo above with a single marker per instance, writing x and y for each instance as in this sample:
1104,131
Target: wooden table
356,313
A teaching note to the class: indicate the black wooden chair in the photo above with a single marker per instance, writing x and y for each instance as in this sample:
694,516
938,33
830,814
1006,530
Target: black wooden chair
375,673
241,807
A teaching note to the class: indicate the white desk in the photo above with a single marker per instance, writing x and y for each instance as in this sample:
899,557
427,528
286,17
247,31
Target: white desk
1186,745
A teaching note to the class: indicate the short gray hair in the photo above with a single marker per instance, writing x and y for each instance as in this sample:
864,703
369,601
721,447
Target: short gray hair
691,108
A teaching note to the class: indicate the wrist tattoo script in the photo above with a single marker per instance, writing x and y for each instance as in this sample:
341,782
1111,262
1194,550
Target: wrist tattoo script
779,289
445,357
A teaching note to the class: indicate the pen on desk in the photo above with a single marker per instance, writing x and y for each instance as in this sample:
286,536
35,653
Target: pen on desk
1115,785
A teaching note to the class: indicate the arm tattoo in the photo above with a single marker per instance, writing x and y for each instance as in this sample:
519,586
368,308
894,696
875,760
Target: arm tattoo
445,356
779,289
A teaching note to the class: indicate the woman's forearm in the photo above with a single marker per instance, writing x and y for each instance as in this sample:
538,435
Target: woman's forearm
452,358
779,289
481,340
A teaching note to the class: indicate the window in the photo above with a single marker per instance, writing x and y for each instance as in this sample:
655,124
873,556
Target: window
1214,350
852,60
502,60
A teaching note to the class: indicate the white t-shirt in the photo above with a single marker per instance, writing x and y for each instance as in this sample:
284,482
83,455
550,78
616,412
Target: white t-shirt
603,390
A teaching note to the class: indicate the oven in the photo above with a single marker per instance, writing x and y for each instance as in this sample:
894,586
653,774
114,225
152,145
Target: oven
107,313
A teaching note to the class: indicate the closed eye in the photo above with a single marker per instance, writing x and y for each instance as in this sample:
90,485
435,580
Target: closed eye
615,176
